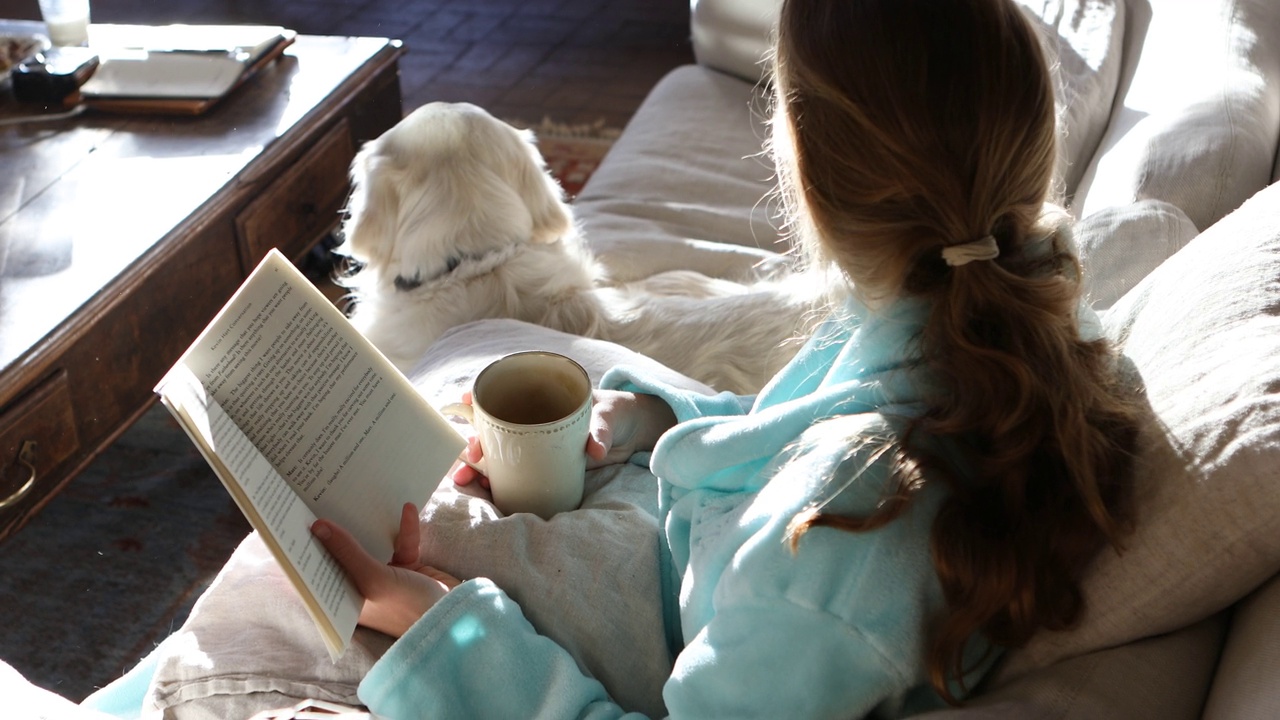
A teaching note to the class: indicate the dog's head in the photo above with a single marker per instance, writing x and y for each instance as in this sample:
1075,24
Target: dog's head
447,183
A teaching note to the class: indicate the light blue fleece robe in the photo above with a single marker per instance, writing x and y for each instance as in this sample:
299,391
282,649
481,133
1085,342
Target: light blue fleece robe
835,629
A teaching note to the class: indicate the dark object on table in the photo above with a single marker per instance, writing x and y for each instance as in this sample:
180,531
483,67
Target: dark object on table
50,76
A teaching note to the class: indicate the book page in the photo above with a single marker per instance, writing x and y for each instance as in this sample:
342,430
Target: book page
333,416
271,506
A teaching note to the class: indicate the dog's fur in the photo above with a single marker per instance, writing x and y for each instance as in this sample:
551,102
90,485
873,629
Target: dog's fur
453,217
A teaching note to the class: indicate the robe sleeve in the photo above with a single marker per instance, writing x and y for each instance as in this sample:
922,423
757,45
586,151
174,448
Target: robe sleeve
475,655
687,404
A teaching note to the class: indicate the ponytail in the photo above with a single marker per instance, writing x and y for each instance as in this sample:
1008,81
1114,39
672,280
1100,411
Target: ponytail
1047,433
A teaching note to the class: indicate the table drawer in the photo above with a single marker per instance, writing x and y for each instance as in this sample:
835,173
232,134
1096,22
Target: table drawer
302,204
43,421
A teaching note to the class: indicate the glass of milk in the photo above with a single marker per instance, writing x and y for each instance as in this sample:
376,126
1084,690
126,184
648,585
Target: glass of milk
68,21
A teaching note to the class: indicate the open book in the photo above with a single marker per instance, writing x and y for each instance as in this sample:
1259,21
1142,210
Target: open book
301,417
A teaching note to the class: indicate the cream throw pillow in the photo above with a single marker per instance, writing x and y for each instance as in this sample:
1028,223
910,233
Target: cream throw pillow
1121,245
1196,119
1203,331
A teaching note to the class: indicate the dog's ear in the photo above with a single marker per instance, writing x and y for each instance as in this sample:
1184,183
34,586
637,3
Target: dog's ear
542,195
369,230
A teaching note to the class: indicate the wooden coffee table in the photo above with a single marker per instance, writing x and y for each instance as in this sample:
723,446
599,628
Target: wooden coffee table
122,235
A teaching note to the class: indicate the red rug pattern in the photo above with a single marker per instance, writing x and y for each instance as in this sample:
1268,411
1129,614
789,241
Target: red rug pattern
572,152
573,160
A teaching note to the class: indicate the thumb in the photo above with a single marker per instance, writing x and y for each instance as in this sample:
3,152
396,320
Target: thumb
363,569
599,438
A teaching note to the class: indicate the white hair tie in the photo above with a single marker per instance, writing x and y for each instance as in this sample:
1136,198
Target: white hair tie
965,253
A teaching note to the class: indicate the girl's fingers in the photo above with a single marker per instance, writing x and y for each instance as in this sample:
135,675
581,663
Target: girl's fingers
465,474
364,570
596,449
599,437
407,541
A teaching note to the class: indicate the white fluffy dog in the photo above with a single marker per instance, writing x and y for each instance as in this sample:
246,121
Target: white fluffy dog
453,217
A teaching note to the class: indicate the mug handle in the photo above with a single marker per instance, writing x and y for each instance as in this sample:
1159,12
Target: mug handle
468,413
462,410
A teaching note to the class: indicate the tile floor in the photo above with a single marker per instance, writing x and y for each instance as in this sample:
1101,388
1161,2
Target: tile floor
573,61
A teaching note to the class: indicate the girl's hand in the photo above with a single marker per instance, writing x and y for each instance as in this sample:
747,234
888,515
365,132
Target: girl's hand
624,423
398,593
462,473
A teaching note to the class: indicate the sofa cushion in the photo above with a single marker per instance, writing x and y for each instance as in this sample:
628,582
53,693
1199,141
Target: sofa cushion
1083,40
1275,169
1121,245
1198,114
1203,332
687,185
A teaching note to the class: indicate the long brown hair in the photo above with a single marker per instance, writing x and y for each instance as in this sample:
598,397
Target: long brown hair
905,126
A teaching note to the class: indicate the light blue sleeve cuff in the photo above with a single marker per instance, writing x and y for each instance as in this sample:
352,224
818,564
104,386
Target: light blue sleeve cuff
686,404
475,655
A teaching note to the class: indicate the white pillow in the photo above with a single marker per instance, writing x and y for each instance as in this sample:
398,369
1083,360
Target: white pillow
1203,332
249,646
1121,245
1198,114
1158,678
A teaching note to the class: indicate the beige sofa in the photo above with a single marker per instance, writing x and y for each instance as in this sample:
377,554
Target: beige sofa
1170,115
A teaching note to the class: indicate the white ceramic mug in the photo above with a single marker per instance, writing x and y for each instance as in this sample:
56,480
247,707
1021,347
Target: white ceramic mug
532,412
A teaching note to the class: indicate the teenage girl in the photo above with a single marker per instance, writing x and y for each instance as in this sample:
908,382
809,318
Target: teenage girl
920,488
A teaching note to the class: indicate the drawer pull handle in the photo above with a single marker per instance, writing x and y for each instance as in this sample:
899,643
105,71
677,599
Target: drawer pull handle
27,457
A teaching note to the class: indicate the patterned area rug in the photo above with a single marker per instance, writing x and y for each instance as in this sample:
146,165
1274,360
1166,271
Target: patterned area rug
572,152
113,564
